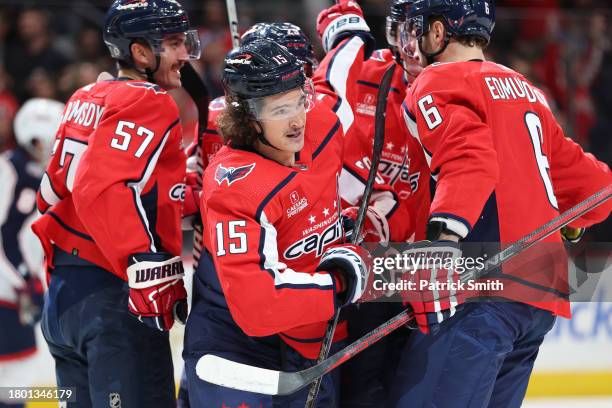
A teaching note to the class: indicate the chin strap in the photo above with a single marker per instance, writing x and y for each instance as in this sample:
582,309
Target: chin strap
430,56
151,72
262,138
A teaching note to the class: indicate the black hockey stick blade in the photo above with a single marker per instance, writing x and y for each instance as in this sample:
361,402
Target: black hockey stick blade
227,373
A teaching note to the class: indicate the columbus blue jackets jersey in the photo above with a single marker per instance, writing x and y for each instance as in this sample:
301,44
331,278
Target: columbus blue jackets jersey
20,251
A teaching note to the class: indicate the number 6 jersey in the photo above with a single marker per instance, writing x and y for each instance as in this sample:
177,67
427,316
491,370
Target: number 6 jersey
115,183
498,158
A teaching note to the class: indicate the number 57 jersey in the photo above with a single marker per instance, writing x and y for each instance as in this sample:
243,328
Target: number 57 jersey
115,183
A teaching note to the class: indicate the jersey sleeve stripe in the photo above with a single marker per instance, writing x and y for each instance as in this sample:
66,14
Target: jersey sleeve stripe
325,141
350,185
47,192
337,76
285,277
414,131
138,185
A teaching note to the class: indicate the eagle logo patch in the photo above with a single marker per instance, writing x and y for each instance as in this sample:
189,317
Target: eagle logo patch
233,173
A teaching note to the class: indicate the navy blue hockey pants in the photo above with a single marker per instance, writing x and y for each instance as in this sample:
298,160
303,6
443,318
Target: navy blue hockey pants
482,357
111,358
211,330
366,378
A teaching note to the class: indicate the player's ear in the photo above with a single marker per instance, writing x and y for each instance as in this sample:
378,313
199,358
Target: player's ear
438,30
140,54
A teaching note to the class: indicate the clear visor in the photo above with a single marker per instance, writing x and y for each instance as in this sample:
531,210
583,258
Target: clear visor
411,32
187,44
284,105
391,31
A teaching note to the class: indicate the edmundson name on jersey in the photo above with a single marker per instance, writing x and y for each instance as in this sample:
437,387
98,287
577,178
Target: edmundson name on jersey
83,113
512,88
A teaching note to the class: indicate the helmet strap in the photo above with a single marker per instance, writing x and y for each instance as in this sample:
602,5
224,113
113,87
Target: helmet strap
147,72
430,56
151,72
262,138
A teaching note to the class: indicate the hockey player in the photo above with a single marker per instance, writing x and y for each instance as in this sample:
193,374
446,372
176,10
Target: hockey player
402,166
354,174
502,168
275,266
286,34
21,257
111,200
402,163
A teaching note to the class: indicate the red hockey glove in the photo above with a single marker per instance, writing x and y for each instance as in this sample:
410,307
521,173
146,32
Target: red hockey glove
157,294
436,291
375,227
572,234
30,299
353,264
343,20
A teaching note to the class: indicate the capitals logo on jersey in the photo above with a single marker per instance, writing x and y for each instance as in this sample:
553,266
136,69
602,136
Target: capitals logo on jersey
233,173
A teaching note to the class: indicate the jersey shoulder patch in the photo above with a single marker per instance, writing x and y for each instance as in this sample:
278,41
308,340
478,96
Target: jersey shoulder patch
232,174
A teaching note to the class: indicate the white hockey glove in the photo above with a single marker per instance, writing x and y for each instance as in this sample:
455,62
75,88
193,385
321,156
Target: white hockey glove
343,20
354,265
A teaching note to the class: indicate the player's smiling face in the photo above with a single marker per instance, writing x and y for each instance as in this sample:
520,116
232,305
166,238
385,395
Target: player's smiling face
173,57
285,120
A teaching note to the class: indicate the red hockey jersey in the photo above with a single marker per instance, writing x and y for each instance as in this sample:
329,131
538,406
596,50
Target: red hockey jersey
500,160
266,227
402,163
212,141
115,183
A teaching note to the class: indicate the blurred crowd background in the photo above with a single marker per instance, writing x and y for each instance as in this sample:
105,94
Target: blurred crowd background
49,48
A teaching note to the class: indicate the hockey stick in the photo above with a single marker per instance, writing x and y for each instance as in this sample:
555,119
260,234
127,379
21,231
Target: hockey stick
197,90
232,16
195,87
220,371
379,141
